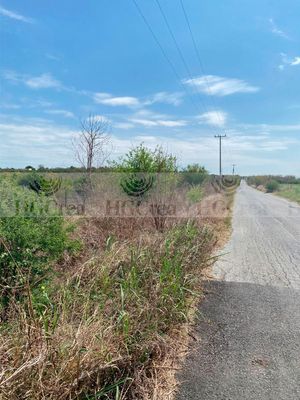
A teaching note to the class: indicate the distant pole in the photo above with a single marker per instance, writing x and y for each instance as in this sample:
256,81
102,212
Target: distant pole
220,153
233,169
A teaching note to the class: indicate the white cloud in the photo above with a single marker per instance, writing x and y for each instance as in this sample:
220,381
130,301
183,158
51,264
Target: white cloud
133,102
144,113
148,118
144,122
256,148
64,113
214,118
171,124
13,15
220,86
30,133
165,123
174,99
109,100
295,61
288,61
43,81
123,125
276,30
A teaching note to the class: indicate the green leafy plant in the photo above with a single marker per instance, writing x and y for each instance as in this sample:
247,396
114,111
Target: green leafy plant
195,194
194,174
143,159
41,185
272,186
30,239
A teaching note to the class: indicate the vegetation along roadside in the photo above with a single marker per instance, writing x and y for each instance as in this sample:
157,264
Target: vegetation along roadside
95,303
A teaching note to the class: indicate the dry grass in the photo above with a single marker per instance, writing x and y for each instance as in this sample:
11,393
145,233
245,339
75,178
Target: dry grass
114,322
103,327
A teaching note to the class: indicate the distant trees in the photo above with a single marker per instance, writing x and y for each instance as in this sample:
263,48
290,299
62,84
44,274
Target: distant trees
195,174
272,186
262,180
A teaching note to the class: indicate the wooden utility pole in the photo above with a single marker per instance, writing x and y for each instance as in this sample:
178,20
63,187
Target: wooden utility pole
233,169
220,152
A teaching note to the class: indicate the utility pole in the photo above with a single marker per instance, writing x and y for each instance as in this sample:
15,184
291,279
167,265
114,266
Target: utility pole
220,152
233,169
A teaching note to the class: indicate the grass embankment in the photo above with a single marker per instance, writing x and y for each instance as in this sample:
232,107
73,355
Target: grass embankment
100,323
104,325
290,192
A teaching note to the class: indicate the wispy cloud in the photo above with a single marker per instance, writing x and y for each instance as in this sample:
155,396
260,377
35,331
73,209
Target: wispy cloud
277,31
149,119
13,15
158,122
43,81
288,61
220,86
63,113
47,81
52,57
109,100
9,106
123,125
214,118
174,99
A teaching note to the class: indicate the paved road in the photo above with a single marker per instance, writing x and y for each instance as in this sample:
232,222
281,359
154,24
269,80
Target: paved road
249,328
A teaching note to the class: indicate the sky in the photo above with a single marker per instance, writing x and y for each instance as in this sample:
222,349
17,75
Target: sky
61,61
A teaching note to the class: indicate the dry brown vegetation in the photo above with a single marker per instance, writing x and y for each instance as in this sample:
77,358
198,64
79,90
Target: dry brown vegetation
105,323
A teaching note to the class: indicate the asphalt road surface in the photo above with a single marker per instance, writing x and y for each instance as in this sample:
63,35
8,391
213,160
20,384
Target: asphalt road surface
249,322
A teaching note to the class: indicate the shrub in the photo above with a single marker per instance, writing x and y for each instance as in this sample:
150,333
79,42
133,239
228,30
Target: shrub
195,194
272,186
32,236
40,184
195,174
147,169
27,179
143,159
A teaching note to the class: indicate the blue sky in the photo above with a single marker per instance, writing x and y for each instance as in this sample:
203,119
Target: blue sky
61,61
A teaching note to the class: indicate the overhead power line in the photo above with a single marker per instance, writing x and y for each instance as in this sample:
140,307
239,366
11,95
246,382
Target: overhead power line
197,52
157,41
181,55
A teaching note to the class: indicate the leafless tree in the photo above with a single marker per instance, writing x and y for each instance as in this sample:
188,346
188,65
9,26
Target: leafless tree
91,147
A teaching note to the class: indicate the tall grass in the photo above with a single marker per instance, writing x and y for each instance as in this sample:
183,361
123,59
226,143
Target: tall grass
290,192
97,329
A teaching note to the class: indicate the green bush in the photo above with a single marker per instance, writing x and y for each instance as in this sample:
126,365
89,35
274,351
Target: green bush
143,159
194,174
195,194
32,235
272,186
40,184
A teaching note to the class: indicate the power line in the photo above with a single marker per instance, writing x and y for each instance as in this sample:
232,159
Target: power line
163,51
200,61
180,54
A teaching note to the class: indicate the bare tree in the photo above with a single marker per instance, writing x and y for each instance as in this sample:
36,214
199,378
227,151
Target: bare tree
91,147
